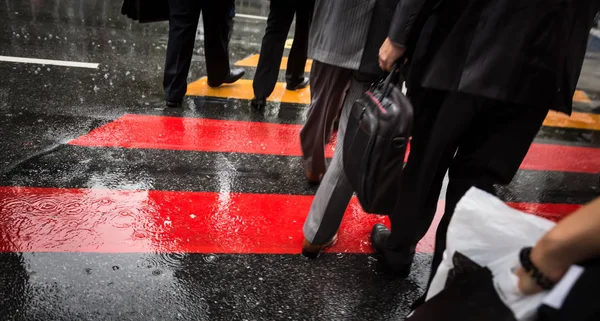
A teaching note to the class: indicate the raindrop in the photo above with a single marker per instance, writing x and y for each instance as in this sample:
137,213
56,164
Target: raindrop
47,69
261,279
50,36
133,78
105,76
127,73
210,258
110,41
156,272
115,268
65,38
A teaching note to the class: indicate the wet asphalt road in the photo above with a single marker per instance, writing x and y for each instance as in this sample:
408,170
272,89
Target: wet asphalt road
179,230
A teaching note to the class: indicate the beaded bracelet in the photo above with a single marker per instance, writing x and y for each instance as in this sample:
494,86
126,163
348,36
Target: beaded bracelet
539,277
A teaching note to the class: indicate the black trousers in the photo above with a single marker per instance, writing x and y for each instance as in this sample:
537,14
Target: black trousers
280,19
479,141
183,23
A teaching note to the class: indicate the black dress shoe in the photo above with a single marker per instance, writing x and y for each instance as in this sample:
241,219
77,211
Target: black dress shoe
258,103
173,104
379,234
234,75
394,263
302,84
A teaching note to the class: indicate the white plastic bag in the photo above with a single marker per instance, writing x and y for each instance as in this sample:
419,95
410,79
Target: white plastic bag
492,234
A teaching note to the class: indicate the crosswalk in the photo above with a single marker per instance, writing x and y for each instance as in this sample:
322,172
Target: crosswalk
148,183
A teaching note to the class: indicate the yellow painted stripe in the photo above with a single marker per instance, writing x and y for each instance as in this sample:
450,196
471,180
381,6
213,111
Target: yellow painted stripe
580,96
252,61
242,89
577,120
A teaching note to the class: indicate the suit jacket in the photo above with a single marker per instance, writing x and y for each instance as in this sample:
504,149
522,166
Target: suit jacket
521,51
348,33
146,10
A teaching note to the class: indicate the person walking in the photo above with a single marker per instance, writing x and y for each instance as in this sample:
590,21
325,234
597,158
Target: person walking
342,71
483,76
337,45
279,21
183,23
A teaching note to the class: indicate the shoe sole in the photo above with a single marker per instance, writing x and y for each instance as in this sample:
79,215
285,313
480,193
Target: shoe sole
313,254
294,89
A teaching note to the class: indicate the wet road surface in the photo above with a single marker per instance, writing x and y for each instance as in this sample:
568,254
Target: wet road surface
113,207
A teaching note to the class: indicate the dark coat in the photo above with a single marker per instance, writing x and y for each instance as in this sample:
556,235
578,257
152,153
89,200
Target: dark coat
349,33
338,31
521,51
383,14
146,10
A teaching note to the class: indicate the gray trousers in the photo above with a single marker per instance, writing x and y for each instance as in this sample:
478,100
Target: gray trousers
328,86
334,193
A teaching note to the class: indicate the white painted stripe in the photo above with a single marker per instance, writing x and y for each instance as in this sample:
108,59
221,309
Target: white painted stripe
249,16
49,62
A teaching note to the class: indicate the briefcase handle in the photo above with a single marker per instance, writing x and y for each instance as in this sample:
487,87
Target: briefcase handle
392,78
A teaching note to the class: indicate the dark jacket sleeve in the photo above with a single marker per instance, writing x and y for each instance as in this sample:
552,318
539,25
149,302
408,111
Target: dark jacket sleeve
404,20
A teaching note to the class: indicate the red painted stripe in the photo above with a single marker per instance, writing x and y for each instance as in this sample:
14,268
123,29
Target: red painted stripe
97,220
562,158
139,131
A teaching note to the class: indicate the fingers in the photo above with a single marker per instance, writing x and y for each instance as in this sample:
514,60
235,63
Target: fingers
526,283
385,63
388,54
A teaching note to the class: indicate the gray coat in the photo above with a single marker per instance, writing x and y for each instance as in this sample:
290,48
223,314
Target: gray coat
348,33
525,52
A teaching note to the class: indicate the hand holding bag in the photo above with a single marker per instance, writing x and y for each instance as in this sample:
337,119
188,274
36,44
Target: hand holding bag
375,144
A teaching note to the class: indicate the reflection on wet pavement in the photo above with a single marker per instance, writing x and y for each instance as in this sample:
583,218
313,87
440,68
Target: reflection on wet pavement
113,207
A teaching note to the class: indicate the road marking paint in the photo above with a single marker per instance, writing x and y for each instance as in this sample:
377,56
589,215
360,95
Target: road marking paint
576,120
117,221
50,62
249,16
211,135
242,89
252,61
581,97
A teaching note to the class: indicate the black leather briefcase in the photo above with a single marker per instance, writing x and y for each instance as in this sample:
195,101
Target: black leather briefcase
375,144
